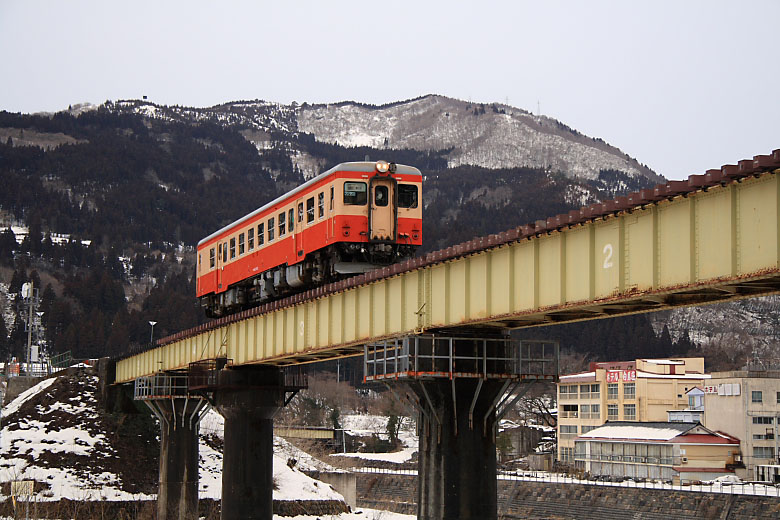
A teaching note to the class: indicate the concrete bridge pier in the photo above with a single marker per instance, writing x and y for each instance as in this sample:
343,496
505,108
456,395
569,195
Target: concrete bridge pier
248,398
457,464
177,497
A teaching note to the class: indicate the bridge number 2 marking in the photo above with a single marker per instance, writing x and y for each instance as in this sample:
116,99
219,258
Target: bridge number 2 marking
607,256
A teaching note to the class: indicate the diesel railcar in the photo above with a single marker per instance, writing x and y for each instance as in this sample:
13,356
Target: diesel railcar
355,217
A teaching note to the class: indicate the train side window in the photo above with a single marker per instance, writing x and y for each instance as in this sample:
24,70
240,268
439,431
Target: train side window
310,210
290,220
232,248
270,229
282,226
381,195
241,244
260,234
250,235
331,198
355,193
212,258
320,204
224,253
407,196
300,212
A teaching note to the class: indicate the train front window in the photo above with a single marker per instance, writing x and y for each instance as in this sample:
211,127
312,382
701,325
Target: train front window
407,196
282,226
355,193
310,210
380,195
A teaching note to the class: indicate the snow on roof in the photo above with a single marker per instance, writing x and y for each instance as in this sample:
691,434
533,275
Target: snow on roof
579,376
665,361
650,375
639,431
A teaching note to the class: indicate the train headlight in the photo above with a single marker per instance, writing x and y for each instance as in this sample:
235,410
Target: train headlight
382,166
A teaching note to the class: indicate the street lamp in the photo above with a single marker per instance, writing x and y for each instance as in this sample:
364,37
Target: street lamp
151,338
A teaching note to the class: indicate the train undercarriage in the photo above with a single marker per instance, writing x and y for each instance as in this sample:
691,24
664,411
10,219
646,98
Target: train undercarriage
330,264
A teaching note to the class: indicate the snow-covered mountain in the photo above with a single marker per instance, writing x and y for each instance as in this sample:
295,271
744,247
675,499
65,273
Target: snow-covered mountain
488,135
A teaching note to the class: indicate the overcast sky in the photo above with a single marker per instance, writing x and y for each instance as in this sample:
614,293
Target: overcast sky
682,86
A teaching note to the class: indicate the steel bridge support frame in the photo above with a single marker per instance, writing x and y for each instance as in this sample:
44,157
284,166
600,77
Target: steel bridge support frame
457,420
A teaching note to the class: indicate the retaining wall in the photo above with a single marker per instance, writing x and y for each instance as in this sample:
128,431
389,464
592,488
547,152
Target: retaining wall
520,499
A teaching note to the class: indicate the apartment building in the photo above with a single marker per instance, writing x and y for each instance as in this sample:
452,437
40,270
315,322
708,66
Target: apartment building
642,390
746,405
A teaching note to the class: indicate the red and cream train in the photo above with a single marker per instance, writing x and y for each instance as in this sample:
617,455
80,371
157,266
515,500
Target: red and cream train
350,219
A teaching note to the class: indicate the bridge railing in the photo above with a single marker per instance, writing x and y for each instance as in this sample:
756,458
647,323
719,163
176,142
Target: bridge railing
161,386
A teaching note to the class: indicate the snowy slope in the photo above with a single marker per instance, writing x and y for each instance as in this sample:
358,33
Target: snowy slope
54,434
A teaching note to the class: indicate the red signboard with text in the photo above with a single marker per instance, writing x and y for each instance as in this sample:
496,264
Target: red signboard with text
615,376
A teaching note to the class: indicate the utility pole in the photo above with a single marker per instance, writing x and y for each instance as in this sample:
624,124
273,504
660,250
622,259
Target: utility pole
31,311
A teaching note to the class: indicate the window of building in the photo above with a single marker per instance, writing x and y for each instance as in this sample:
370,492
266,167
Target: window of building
585,411
232,248
282,225
310,210
778,397
290,220
757,396
763,452
629,412
612,412
595,411
260,234
250,235
381,196
629,390
241,244
769,435
407,196
355,193
320,204
271,229
568,429
762,420
585,391
212,258
568,391
569,410
567,454
595,390
612,390
586,429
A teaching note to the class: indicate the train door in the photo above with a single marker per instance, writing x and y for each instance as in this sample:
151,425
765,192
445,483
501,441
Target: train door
382,209
300,251
221,258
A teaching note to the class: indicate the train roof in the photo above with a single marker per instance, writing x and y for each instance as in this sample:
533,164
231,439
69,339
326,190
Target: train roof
360,166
